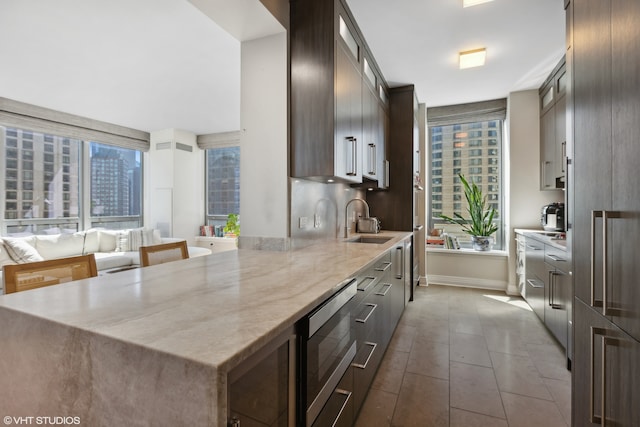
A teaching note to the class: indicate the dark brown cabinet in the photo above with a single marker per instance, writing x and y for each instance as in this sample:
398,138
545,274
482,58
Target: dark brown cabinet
335,96
553,133
606,219
373,125
534,276
607,372
558,293
395,207
262,389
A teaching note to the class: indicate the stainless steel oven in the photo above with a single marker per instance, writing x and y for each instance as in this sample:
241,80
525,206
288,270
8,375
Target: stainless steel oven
328,346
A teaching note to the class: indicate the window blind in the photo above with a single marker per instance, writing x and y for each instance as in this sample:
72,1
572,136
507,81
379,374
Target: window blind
467,113
39,119
218,140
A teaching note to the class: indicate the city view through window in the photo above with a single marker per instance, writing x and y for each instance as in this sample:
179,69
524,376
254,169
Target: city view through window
474,150
223,184
42,186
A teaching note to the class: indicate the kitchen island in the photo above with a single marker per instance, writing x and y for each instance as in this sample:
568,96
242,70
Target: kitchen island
153,346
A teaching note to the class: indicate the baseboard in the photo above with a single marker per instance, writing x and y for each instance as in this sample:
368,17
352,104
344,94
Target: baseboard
467,282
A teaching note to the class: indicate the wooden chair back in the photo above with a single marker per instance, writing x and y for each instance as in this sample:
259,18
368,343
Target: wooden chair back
32,275
164,252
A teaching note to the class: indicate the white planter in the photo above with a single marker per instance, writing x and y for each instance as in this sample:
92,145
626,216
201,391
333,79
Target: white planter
482,243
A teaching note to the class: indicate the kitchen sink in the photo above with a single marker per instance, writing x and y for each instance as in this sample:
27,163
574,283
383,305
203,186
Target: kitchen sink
370,239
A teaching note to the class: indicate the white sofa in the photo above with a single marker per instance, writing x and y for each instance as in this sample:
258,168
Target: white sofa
113,249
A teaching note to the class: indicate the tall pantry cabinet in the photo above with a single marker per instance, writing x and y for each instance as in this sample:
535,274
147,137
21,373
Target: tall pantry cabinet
604,38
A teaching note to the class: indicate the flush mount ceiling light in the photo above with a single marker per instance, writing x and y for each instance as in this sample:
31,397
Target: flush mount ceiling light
472,58
469,3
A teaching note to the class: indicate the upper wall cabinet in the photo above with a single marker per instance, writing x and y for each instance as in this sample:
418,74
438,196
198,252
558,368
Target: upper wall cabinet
553,129
334,102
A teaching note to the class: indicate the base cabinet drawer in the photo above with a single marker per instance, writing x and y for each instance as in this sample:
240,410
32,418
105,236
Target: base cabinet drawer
339,411
535,295
364,366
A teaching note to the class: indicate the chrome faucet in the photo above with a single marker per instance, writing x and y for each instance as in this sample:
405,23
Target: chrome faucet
346,214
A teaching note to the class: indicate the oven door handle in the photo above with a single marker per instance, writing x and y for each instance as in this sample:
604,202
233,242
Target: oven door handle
331,307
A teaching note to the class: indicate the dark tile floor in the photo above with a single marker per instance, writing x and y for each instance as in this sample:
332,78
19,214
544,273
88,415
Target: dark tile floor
464,357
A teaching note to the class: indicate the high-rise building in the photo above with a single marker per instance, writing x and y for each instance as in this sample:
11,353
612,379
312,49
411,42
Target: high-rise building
41,175
110,182
471,149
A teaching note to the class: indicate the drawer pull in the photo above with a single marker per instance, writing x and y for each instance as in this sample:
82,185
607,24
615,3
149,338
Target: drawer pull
556,258
367,282
366,362
373,308
535,283
347,395
387,286
383,267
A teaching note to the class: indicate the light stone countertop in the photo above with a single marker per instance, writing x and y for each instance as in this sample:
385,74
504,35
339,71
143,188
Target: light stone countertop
546,237
214,310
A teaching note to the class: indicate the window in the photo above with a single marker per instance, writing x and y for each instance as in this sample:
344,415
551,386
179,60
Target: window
44,180
459,145
116,186
223,183
40,192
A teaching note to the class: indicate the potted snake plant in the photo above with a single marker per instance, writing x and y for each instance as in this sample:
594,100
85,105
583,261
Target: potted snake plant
480,222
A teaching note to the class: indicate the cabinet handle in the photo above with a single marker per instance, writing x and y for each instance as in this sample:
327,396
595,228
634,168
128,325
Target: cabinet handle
371,281
551,281
605,215
556,258
344,405
533,284
383,267
399,261
387,286
372,159
592,280
544,174
535,248
564,156
552,299
373,308
366,362
608,339
352,165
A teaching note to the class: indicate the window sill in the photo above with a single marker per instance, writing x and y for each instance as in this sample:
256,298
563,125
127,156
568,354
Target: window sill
494,253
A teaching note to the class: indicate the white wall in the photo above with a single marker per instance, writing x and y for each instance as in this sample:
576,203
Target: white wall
264,188
174,185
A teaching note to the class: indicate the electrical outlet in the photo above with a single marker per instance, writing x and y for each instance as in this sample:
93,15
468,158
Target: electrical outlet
316,221
303,222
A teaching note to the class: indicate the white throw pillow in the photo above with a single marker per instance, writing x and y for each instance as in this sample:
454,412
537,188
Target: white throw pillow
107,240
140,237
21,251
5,259
91,242
122,241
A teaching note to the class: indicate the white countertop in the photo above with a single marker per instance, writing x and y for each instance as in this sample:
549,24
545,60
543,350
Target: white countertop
216,310
547,237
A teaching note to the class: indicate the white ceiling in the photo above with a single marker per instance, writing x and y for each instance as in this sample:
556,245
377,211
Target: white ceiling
417,41
157,64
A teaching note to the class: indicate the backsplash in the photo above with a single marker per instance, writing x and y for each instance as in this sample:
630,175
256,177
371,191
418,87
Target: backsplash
322,205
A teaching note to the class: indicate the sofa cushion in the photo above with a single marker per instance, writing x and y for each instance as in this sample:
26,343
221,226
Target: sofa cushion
21,250
61,245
